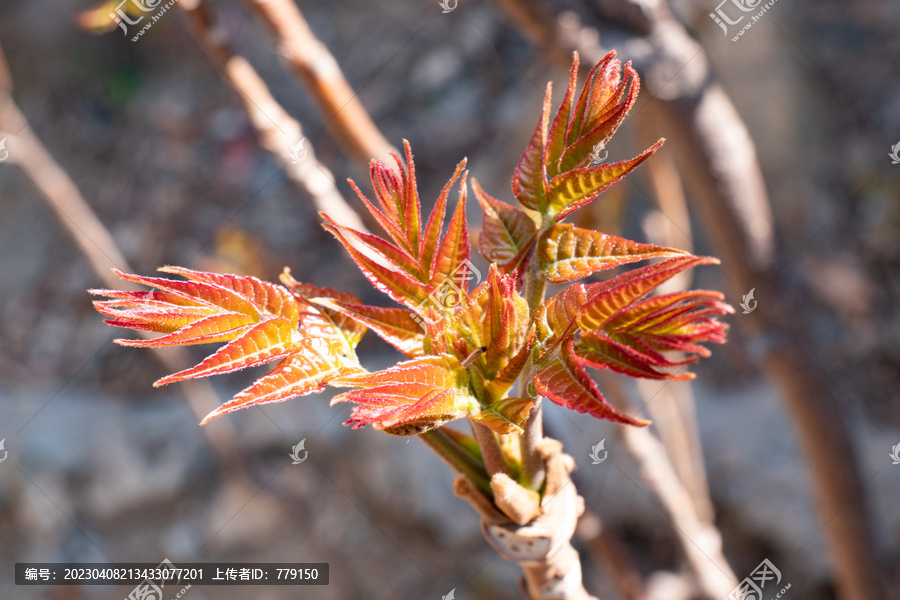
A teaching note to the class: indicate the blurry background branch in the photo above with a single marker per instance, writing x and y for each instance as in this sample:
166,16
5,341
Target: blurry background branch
278,132
698,537
311,61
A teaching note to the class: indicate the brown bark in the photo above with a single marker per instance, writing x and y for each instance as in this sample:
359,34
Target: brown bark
551,567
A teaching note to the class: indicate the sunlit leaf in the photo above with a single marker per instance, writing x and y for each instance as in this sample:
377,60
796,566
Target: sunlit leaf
396,326
567,252
411,397
555,176
260,321
507,233
530,182
573,189
507,415
565,382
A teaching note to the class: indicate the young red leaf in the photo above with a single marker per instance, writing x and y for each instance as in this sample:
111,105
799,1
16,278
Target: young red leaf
260,321
396,326
600,110
222,327
602,352
192,293
507,415
554,175
617,294
651,311
297,375
209,308
159,312
430,241
261,343
567,252
529,184
413,267
507,233
565,382
454,252
618,329
504,321
411,397
557,136
573,189
386,276
272,299
317,319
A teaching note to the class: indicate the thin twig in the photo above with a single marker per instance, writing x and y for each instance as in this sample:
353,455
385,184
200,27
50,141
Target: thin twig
457,459
700,541
278,132
494,460
310,59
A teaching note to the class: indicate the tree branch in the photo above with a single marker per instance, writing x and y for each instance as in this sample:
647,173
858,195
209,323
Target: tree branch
276,130
311,61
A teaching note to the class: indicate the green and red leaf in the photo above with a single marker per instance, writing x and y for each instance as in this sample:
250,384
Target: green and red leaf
411,397
454,251
555,176
396,326
504,321
530,183
297,375
507,415
260,322
565,382
415,262
610,325
507,233
573,189
609,298
567,252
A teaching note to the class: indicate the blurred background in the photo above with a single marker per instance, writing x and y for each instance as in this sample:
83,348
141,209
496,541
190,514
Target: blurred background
777,161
